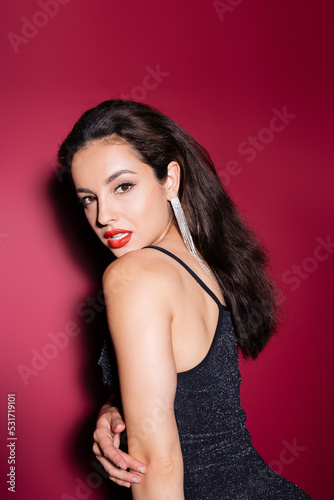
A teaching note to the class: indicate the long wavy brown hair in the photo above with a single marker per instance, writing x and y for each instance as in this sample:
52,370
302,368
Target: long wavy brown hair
224,239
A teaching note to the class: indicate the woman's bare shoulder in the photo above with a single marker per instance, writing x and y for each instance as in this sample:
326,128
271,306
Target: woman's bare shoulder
138,291
145,271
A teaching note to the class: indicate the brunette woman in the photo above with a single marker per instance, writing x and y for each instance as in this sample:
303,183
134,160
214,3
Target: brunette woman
187,288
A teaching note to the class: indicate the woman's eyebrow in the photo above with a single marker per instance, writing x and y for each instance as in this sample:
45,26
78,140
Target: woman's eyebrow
109,179
117,174
83,190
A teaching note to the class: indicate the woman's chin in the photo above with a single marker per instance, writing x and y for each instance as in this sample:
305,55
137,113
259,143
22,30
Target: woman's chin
119,252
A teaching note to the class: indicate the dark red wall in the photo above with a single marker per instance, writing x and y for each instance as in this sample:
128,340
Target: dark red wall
253,82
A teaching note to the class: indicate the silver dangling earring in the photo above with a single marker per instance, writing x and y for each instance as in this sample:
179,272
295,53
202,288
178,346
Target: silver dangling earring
185,231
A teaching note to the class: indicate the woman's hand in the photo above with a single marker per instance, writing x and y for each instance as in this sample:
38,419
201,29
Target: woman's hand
109,425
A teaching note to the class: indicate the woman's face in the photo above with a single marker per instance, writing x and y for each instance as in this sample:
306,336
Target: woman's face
124,203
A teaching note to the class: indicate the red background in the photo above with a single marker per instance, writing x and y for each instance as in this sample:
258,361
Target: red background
223,76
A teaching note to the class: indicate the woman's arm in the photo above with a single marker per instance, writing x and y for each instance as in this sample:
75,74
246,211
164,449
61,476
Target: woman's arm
140,317
109,425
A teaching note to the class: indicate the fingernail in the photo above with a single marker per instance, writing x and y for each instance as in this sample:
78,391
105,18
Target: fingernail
141,469
135,480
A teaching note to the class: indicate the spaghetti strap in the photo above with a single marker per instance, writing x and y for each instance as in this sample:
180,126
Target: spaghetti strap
192,273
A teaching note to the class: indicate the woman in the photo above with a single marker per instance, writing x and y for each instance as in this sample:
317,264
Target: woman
187,288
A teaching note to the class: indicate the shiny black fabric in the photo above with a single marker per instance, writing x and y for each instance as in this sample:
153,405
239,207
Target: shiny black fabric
219,459
220,462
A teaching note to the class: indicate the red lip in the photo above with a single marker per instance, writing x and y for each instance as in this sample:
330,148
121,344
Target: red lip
108,234
120,242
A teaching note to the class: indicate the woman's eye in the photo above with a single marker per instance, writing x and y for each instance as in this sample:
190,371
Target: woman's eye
87,200
124,187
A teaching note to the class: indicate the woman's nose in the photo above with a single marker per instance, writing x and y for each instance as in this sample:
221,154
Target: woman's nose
106,214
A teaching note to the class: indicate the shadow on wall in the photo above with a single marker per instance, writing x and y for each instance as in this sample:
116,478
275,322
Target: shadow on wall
87,251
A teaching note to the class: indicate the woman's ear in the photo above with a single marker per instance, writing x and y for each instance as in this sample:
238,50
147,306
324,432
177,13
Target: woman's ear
172,182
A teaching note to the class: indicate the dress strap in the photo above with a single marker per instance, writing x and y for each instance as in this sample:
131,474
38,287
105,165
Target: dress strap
191,272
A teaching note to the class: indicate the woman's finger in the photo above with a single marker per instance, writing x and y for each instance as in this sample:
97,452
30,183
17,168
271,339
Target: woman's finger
106,449
133,463
117,475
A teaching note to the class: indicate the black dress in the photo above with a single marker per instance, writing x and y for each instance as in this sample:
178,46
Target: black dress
219,459
220,462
